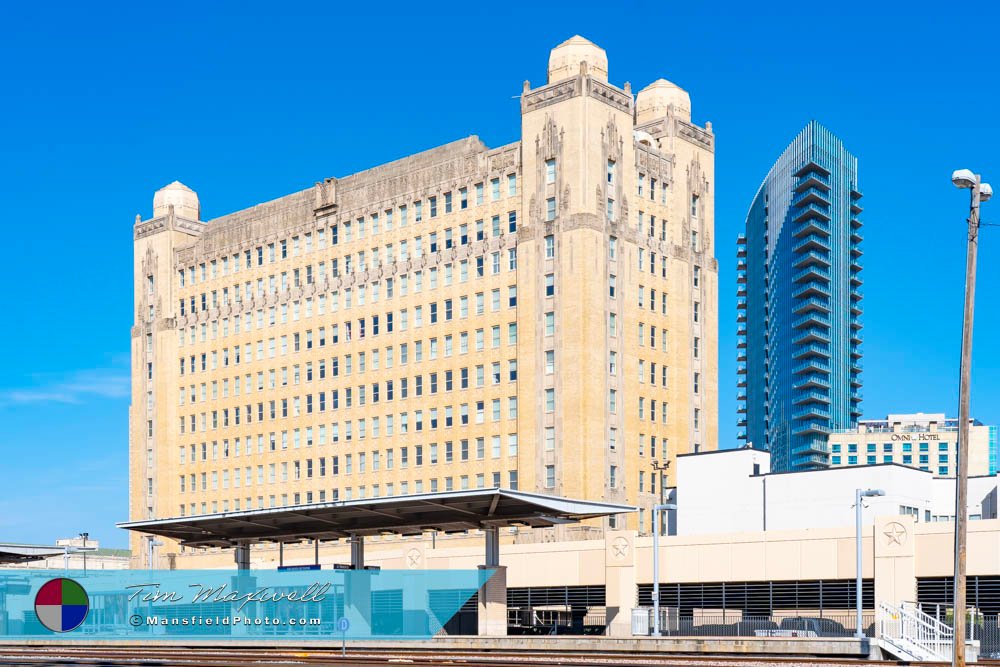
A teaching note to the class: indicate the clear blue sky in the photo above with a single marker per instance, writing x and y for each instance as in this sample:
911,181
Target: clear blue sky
248,101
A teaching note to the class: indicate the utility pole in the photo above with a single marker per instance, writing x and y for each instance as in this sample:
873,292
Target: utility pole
965,179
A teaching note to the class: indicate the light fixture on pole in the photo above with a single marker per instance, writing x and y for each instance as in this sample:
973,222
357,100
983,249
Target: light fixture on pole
858,495
980,192
84,536
660,470
656,562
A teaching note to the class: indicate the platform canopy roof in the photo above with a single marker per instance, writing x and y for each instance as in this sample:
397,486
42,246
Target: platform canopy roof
451,511
24,553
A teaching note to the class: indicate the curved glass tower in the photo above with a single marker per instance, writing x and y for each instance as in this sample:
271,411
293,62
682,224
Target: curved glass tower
799,289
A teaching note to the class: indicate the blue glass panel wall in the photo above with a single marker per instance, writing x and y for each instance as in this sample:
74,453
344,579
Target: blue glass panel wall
799,320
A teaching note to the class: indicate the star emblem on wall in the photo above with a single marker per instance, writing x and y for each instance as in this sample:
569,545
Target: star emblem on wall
619,548
895,533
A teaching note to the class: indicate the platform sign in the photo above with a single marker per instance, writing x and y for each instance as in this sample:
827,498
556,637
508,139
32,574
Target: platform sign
343,624
297,568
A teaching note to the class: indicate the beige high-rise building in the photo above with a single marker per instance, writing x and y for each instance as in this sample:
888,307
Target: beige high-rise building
928,441
542,316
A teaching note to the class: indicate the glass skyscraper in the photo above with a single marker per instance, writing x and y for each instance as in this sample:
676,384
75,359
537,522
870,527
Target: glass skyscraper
799,289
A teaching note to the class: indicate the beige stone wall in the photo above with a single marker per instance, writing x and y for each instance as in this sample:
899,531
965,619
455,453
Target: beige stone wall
578,119
896,551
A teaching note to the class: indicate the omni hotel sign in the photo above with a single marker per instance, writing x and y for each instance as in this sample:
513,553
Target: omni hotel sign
909,437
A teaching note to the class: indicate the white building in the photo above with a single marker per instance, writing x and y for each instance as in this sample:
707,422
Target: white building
734,490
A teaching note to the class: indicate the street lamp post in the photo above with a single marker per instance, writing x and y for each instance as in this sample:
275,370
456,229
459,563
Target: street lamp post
858,495
660,471
85,536
980,192
656,562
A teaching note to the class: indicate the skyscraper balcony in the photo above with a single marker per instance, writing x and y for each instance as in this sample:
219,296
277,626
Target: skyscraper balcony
811,427
812,411
813,288
810,166
812,180
812,335
855,351
855,223
856,307
856,250
812,350
741,423
742,435
741,265
812,212
810,462
856,396
821,259
856,337
856,323
741,277
812,272
741,315
814,241
812,319
856,208
741,356
812,303
814,381
741,408
812,365
856,279
741,343
855,192
741,289
741,331
811,397
812,196
855,235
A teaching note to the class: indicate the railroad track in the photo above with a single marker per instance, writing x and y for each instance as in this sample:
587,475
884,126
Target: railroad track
181,656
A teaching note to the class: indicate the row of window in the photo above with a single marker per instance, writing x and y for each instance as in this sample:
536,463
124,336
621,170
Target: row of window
281,282
371,224
279,409
888,447
464,481
360,462
296,377
279,346
907,459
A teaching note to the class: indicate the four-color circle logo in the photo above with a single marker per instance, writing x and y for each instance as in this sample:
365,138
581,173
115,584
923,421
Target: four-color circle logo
61,605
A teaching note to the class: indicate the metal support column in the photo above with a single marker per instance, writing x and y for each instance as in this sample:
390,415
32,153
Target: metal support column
241,553
357,552
492,558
